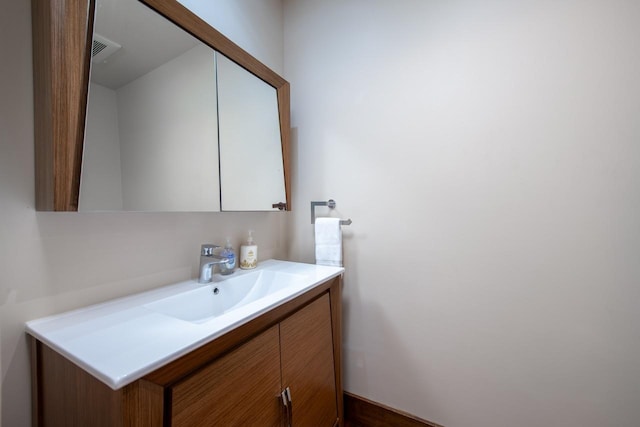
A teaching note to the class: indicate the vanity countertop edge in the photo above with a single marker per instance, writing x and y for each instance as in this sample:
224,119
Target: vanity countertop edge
120,341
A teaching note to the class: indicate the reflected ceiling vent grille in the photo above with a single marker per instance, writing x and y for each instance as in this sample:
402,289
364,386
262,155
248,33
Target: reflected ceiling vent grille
102,48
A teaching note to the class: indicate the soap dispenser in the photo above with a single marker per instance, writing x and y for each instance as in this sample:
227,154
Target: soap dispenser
229,266
249,253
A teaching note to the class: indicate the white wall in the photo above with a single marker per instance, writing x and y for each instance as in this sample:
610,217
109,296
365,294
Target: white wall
50,262
488,155
101,181
169,136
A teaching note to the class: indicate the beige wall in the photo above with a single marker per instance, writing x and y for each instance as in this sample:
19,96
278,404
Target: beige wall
488,154
50,262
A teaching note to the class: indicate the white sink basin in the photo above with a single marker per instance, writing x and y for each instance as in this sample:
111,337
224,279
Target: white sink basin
122,340
214,299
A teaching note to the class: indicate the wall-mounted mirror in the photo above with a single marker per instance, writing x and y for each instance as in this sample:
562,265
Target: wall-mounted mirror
152,126
249,141
151,132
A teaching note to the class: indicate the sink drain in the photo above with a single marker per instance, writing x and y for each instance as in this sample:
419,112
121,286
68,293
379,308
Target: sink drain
216,291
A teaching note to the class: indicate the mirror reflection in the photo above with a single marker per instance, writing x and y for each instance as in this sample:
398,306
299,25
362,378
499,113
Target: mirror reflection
151,133
152,129
251,166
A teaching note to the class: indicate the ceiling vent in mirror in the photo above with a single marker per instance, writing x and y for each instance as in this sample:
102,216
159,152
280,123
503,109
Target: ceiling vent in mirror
102,48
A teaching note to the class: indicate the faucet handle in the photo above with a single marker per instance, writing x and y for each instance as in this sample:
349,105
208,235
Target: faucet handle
207,249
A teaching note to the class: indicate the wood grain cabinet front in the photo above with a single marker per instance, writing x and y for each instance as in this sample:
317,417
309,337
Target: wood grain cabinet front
239,389
308,365
245,387
281,369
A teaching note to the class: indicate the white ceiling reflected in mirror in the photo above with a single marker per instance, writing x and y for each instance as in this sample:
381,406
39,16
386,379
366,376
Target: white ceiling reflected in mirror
250,144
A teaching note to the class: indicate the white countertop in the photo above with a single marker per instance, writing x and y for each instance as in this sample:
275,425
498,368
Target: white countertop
120,341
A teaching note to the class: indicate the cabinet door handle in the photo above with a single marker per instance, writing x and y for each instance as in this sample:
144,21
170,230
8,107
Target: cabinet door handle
286,399
288,390
288,405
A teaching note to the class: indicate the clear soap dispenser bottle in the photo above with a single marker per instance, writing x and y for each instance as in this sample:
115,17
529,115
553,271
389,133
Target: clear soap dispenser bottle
249,254
229,266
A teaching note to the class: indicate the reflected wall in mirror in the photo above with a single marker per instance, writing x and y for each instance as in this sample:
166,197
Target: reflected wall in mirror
251,164
151,131
133,158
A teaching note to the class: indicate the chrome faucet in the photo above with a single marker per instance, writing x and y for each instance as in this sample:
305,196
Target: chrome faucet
208,260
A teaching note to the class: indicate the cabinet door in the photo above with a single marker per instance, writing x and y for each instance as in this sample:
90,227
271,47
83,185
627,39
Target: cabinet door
241,388
307,364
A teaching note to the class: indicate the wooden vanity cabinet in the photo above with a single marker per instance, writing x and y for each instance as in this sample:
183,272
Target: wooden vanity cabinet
237,379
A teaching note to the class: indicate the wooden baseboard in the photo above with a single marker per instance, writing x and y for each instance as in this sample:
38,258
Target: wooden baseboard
361,412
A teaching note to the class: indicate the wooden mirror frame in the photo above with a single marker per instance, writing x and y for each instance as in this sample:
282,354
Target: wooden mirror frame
62,37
